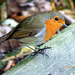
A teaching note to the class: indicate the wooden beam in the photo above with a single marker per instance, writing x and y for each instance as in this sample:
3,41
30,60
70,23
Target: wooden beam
61,60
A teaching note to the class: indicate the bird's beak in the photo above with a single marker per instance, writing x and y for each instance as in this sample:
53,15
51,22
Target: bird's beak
64,25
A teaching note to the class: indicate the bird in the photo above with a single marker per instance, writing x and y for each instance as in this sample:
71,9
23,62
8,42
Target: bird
36,29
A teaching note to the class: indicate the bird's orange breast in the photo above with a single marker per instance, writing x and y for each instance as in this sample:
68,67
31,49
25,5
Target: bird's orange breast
51,28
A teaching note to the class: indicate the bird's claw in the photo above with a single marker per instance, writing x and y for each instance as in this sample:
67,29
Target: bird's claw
41,51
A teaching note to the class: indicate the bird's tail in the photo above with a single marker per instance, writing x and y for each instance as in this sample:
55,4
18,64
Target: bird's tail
7,36
3,38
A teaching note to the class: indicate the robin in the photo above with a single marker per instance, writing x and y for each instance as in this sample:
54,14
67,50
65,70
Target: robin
36,29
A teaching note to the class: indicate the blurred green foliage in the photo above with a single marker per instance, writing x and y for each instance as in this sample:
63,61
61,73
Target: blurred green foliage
2,2
29,0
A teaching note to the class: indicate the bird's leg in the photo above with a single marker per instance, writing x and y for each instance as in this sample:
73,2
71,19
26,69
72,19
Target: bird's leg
38,50
41,50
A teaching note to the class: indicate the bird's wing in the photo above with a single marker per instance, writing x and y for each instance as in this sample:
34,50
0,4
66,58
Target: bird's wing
22,33
28,27
32,40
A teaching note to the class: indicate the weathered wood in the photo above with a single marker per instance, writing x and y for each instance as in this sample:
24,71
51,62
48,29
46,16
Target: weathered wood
61,60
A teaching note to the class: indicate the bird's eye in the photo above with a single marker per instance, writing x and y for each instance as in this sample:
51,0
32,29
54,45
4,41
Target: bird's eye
56,19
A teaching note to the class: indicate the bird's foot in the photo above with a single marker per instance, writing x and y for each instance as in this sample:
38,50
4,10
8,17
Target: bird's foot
41,51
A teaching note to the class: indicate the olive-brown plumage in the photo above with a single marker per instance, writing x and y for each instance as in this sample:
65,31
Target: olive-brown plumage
37,28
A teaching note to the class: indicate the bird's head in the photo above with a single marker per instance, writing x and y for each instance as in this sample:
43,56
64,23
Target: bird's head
55,22
57,18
